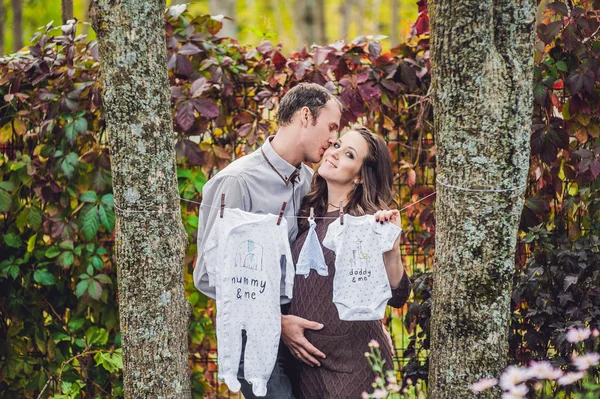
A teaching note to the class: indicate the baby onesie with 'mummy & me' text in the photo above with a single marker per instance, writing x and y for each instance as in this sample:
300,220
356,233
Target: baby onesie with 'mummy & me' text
243,254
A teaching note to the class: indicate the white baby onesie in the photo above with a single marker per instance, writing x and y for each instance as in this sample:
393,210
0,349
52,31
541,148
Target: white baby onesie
311,254
361,287
243,255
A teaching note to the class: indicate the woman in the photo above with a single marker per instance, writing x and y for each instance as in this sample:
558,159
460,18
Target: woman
357,171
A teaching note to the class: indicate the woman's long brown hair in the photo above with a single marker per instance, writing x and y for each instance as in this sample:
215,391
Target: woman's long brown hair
372,194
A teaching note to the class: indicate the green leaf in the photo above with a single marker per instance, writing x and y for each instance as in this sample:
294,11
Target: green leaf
31,243
199,181
107,218
66,245
52,252
97,262
13,240
103,279
21,221
96,336
94,289
80,125
88,196
76,324
69,163
66,259
184,173
108,200
111,362
35,218
561,66
43,277
70,132
89,222
81,288
5,201
7,186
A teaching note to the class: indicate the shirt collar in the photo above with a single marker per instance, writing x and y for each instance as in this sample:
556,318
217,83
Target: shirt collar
283,168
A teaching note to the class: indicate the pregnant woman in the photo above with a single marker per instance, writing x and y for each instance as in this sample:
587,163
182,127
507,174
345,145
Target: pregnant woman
356,171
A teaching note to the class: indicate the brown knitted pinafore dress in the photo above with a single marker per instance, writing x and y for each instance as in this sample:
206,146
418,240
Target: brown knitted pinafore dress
345,373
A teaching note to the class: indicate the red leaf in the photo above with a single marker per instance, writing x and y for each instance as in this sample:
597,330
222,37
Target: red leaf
278,60
185,115
206,107
559,84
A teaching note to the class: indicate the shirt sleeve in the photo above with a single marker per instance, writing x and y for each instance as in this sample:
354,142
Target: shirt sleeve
289,263
236,196
333,231
388,234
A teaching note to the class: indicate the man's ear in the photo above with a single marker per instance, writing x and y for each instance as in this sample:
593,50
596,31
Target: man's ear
305,116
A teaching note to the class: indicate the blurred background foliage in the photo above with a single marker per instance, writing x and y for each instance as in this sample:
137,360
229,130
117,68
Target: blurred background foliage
295,23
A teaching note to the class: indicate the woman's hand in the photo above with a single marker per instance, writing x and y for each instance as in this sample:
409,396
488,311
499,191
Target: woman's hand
392,216
392,259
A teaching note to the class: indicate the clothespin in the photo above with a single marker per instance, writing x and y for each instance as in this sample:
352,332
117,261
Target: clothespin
342,213
312,213
222,205
281,213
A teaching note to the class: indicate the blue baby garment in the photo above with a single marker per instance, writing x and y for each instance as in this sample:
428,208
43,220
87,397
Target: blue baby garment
311,255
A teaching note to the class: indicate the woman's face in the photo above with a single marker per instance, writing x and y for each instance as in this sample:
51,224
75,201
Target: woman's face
342,161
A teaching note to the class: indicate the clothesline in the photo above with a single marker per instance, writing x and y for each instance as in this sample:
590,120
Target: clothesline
218,207
307,217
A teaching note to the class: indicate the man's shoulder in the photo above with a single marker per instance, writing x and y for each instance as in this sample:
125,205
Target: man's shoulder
241,166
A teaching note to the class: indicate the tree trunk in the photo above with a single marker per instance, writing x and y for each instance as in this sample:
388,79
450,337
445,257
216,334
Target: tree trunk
228,9
345,10
17,28
277,15
482,92
395,23
319,17
376,7
150,239
67,10
300,22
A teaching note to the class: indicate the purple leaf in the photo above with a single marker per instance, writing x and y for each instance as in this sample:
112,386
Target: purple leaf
189,49
199,86
185,116
206,107
184,65
374,49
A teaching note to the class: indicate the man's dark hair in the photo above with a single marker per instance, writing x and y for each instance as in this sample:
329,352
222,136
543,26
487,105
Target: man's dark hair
309,95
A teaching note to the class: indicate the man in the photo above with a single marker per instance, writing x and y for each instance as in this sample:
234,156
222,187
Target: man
308,118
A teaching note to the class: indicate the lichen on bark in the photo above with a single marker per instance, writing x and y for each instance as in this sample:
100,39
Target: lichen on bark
150,239
482,73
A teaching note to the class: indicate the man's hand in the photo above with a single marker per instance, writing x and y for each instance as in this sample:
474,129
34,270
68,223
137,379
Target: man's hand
292,333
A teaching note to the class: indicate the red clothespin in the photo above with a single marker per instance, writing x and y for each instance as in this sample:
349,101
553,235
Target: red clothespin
342,213
222,204
281,213
312,213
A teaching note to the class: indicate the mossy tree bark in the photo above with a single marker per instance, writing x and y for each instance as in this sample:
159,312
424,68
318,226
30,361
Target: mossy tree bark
150,239
482,73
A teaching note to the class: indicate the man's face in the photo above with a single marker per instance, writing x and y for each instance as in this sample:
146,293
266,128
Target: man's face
323,133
